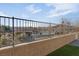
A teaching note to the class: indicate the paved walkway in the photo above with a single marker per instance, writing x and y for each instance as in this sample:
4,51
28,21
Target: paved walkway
75,43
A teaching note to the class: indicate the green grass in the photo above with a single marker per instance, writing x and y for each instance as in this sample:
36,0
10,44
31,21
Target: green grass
66,51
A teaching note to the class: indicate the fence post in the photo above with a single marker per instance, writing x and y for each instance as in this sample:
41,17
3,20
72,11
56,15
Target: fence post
50,29
0,33
13,34
76,36
13,29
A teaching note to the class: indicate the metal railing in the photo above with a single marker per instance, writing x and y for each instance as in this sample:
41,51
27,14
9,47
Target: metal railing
16,31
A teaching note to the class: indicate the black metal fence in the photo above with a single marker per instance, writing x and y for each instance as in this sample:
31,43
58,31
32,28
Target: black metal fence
16,31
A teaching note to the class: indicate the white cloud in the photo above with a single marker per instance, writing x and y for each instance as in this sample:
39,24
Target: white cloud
24,16
2,13
61,9
32,9
36,11
59,14
49,4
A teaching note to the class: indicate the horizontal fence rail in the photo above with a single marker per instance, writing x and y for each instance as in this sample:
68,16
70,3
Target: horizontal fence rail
16,31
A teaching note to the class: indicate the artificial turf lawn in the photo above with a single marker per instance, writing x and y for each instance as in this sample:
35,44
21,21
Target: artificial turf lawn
67,50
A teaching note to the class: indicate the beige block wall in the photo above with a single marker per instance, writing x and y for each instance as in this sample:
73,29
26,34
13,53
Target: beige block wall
38,48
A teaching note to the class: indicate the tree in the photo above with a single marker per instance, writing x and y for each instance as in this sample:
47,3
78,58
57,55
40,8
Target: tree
66,25
6,28
65,21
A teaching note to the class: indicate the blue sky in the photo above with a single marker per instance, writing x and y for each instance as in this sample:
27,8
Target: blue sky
41,12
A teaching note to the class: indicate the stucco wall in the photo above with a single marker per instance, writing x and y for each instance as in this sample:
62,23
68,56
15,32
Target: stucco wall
38,48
